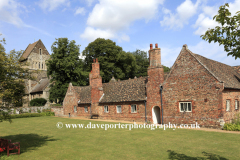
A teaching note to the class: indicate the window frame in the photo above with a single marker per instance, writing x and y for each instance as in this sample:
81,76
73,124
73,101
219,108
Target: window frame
187,102
236,107
135,108
40,51
85,109
105,109
228,107
120,108
75,108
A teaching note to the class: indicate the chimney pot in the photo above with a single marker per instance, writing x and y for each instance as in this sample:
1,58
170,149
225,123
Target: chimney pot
151,46
156,45
93,60
96,60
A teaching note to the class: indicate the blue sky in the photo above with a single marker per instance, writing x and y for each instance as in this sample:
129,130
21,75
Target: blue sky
132,24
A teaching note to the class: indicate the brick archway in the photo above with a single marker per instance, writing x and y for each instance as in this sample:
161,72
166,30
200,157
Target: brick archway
156,115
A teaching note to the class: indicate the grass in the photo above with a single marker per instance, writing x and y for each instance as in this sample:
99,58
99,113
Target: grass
41,139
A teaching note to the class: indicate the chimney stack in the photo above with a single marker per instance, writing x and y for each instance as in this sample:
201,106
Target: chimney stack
155,56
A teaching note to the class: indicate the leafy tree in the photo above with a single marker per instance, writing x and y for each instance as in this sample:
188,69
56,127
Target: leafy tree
166,69
228,33
64,67
142,63
114,61
12,75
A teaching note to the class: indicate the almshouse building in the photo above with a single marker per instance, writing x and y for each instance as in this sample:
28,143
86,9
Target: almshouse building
196,89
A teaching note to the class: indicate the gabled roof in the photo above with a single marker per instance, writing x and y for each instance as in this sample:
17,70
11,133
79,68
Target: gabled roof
126,90
83,94
222,72
41,85
29,49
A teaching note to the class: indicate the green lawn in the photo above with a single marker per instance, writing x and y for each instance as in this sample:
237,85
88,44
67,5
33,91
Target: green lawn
41,139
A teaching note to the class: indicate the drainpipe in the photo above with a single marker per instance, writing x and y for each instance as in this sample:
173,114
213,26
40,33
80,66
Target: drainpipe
161,88
91,110
145,112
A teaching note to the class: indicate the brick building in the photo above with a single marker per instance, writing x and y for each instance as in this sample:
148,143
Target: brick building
196,89
35,56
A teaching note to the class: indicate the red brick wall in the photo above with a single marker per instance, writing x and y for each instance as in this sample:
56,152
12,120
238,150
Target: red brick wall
126,114
155,79
189,81
70,101
232,95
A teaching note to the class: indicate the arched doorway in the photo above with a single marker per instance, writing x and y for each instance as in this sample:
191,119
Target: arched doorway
156,115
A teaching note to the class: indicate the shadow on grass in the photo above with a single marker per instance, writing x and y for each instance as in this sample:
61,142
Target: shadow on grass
29,142
176,156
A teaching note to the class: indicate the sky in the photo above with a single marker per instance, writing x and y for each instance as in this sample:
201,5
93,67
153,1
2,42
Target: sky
132,24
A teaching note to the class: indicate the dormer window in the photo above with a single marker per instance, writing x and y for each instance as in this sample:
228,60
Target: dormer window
40,51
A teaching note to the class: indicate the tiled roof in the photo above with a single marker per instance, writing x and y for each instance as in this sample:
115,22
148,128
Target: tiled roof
83,94
126,90
41,85
28,50
222,72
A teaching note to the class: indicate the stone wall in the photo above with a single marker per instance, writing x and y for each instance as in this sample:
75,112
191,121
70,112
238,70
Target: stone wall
58,111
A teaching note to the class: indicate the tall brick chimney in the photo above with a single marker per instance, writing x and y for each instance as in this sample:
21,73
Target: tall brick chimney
155,79
95,81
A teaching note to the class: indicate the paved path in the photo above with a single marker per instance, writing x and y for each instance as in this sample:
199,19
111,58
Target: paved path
118,121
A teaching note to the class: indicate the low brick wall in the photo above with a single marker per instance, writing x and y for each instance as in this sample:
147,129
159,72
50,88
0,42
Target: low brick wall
58,111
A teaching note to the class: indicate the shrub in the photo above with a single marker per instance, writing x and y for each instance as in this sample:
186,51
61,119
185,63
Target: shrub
38,102
38,110
231,127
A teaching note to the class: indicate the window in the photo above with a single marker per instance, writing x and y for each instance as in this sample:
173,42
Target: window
106,109
75,108
228,105
185,106
119,109
236,104
134,108
40,51
39,65
42,65
86,109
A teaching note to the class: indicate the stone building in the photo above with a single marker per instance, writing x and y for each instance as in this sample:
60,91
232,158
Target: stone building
35,56
196,89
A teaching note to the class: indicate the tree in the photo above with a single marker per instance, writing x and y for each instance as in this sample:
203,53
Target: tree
114,61
142,63
228,33
64,67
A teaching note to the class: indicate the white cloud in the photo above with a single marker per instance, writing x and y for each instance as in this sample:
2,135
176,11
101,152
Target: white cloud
81,11
53,4
205,19
90,2
91,34
9,12
111,17
184,12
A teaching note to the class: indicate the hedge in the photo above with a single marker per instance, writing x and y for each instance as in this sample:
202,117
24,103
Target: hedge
38,102
26,115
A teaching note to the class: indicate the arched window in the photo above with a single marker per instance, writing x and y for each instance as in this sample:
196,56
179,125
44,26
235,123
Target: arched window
40,51
42,65
36,65
39,65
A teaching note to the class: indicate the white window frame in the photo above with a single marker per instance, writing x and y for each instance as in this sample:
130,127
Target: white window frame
185,106
236,104
75,108
133,108
85,109
117,108
228,104
106,109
